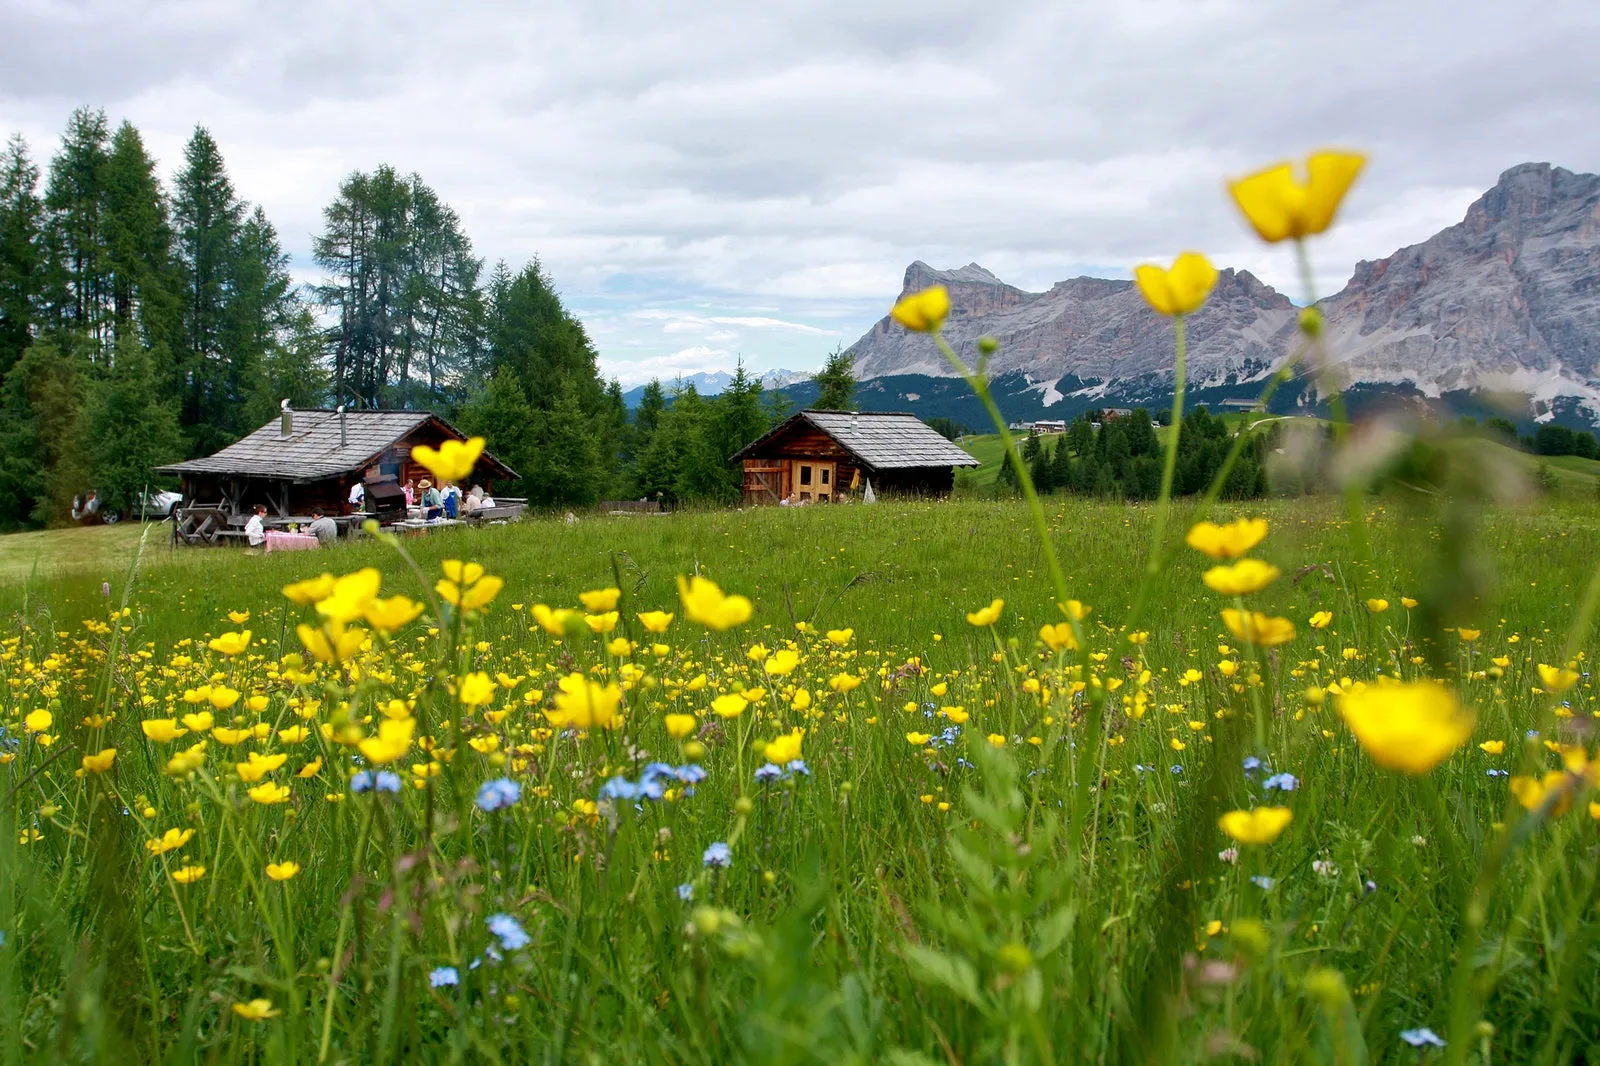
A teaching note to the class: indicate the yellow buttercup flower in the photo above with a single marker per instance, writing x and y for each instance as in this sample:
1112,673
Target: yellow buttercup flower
162,730
731,705
560,621
708,605
269,793
199,722
599,601
256,1010
188,875
282,871
388,615
801,700
476,690
230,643
222,697
1262,825
1408,726
1468,635
1253,627
987,616
843,683
258,766
1320,620
1493,747
1557,678
1377,606
310,590
1229,541
1179,290
332,643
1056,637
786,747
1242,578
101,762
681,725
840,637
1281,207
171,840
238,618
918,739
782,662
1407,602
655,621
583,704
350,596
451,461
391,743
924,311
1553,792
38,721
601,623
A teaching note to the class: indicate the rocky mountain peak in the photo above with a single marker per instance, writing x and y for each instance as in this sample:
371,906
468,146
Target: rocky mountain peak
1506,300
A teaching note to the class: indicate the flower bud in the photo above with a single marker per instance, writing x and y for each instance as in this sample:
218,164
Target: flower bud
988,345
1311,322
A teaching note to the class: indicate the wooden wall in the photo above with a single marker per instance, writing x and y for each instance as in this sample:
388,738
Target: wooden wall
769,475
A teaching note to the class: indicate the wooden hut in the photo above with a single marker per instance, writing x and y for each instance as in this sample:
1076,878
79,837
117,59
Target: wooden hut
817,456
312,459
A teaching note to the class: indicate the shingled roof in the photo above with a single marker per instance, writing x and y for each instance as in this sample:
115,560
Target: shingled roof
881,440
312,450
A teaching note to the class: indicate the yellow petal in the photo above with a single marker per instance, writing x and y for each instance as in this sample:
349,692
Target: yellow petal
1332,174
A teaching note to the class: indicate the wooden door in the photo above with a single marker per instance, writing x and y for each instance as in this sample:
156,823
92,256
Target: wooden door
813,480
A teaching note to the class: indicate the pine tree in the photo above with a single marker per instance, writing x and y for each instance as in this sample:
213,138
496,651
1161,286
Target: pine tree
502,415
42,463
207,216
21,264
836,383
566,460
76,294
138,247
263,331
132,428
737,417
1061,473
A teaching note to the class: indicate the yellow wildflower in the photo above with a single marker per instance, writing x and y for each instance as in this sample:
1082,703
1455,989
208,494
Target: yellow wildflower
162,730
1259,826
923,312
1179,290
230,643
987,616
188,875
785,747
269,793
257,1009
1320,620
388,615
655,621
582,704
599,601
451,461
1281,207
101,762
311,590
708,605
1556,678
1242,578
282,871
731,705
1229,541
1253,627
680,725
171,840
1408,726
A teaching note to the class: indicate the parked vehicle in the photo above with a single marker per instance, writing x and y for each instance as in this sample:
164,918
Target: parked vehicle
155,506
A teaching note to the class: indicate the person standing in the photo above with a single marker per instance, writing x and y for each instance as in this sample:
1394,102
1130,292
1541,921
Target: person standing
325,529
410,489
431,504
255,530
358,495
452,501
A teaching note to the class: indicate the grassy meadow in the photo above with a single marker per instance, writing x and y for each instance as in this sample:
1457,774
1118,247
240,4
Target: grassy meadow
959,860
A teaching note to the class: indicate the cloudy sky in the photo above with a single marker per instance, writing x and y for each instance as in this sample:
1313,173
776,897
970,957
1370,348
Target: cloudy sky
718,177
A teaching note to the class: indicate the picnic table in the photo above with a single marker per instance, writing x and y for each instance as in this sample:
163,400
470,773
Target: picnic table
282,541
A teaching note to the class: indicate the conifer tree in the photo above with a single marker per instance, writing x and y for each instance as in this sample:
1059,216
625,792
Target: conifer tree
21,258
131,429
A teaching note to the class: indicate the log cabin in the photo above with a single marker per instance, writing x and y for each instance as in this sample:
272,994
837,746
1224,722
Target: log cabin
311,459
820,456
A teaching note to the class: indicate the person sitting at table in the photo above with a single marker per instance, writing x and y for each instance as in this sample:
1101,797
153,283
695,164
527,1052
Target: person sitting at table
255,530
432,506
325,529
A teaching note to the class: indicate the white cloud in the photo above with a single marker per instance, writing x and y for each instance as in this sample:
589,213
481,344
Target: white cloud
761,174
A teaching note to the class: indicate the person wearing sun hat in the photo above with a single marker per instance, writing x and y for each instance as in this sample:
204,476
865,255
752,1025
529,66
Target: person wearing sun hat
432,505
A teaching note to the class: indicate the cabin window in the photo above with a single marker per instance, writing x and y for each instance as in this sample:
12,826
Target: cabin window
824,475
805,473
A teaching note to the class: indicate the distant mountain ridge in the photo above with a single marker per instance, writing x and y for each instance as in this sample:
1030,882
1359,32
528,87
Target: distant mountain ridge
1507,300
710,383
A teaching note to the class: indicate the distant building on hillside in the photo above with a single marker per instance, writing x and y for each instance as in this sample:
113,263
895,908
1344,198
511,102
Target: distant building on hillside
308,460
818,456
1050,425
1237,405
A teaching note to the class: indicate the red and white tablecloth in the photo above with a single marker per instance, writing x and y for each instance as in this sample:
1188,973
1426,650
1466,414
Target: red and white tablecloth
291,542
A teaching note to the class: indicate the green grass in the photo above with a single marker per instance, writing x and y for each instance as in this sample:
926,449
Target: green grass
1039,918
